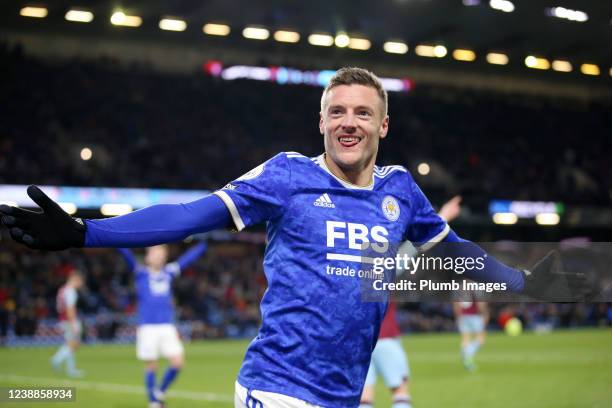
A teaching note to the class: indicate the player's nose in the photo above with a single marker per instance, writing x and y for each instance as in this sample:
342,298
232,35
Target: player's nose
349,122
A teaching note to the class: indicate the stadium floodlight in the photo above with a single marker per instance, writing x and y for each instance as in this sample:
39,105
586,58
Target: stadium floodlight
547,219
287,36
497,58
506,218
114,209
221,30
567,14
431,51
562,66
423,169
424,51
537,63
321,40
590,69
172,24
79,16
471,3
395,47
119,18
70,208
86,153
35,12
342,40
440,51
359,44
502,5
255,33
464,55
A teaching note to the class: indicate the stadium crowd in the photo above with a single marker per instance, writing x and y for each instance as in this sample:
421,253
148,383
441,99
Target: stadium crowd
149,129
217,296
219,293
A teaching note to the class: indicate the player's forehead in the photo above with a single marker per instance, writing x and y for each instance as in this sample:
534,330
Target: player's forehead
353,95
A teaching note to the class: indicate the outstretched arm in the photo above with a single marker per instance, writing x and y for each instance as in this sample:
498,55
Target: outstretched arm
545,280
54,229
129,258
493,271
190,256
451,209
158,224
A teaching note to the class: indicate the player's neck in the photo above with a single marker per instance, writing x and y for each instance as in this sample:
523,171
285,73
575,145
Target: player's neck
361,177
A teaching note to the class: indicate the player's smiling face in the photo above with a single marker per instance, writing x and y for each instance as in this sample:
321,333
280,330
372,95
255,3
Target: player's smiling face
352,122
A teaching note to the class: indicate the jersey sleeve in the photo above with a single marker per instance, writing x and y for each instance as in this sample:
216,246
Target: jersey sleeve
259,195
129,258
426,227
173,269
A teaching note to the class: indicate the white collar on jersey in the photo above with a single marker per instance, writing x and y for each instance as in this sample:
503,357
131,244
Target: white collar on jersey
320,160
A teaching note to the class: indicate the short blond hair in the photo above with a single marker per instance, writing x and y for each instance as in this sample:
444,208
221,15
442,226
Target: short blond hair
357,76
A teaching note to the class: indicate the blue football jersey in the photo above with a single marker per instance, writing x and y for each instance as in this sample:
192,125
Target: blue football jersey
317,334
154,292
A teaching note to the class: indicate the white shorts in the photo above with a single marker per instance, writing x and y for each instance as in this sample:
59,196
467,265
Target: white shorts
470,324
390,361
69,331
244,398
157,340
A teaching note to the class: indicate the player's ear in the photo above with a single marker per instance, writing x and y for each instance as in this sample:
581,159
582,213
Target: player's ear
384,127
321,126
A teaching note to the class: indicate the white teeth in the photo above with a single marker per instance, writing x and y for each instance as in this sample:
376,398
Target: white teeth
349,139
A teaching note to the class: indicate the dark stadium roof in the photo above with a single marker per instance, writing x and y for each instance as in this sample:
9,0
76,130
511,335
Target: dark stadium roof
526,30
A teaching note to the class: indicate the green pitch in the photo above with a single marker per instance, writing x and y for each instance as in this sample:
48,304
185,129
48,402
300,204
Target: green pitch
563,369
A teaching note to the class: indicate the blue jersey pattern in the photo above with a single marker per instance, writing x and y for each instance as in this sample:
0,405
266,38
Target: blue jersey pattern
317,335
154,292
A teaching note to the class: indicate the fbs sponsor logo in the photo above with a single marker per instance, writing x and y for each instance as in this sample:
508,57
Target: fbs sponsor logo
324,201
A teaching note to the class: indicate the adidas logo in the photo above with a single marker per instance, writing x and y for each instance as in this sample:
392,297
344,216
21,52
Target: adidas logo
324,201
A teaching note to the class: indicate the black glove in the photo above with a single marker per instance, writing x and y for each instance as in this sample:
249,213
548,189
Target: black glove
52,229
549,282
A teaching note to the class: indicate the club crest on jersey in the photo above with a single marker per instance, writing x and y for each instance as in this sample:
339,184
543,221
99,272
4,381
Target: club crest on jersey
251,174
390,208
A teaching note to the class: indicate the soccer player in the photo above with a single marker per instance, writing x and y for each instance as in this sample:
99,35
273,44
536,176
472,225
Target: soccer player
66,305
388,358
472,318
317,334
157,336
391,362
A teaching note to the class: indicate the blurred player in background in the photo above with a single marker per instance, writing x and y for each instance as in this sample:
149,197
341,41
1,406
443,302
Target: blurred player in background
66,305
388,358
157,336
472,319
391,362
